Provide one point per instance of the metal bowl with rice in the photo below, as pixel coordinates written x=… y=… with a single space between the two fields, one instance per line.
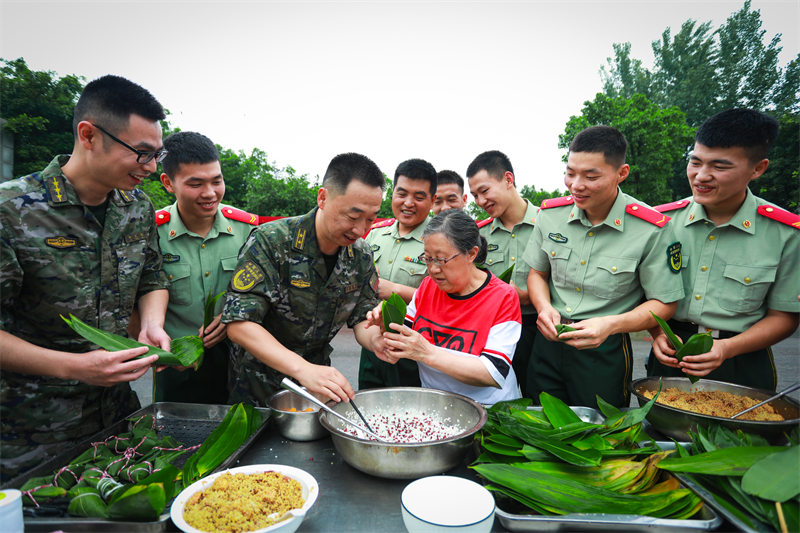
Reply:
x=409 y=460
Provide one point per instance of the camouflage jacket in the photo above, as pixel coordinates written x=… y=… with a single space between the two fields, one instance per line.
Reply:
x=281 y=283
x=56 y=259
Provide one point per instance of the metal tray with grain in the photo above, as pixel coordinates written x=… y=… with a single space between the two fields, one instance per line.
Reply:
x=189 y=423
x=513 y=517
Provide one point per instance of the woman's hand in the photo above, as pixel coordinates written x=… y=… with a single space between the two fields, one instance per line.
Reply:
x=408 y=344
x=375 y=317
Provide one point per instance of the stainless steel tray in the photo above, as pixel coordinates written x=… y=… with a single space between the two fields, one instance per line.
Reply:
x=190 y=423
x=706 y=519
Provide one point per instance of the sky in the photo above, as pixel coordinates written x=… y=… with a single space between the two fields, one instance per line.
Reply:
x=304 y=81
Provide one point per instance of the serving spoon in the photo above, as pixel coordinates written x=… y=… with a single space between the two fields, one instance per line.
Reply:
x=787 y=390
x=287 y=383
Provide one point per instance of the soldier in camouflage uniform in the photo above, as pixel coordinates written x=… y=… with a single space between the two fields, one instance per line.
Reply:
x=79 y=238
x=299 y=280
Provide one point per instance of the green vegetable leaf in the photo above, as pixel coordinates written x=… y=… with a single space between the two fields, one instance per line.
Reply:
x=775 y=477
x=506 y=275
x=393 y=310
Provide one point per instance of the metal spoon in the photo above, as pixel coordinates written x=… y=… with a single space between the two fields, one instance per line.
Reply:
x=787 y=390
x=287 y=383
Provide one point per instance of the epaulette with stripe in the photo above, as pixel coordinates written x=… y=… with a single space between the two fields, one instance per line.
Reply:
x=162 y=217
x=382 y=223
x=647 y=214
x=484 y=222
x=239 y=215
x=672 y=206
x=557 y=202
x=780 y=215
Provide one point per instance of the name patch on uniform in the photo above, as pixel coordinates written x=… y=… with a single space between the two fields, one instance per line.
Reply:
x=60 y=242
x=557 y=237
x=674 y=257
x=301 y=283
x=171 y=258
x=247 y=276
x=137 y=236
x=492 y=247
x=353 y=287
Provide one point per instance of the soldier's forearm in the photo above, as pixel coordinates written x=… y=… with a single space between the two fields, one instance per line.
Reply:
x=18 y=355
x=639 y=318
x=152 y=308
x=773 y=328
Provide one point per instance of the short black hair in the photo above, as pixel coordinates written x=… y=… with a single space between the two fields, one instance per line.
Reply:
x=417 y=169
x=602 y=139
x=444 y=177
x=186 y=147
x=111 y=100
x=345 y=168
x=460 y=229
x=750 y=129
x=495 y=162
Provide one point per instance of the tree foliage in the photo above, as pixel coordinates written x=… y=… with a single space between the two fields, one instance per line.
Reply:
x=37 y=107
x=656 y=139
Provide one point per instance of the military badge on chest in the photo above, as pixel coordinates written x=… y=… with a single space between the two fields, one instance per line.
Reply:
x=60 y=242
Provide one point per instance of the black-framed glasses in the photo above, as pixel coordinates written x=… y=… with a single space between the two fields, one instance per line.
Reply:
x=438 y=261
x=141 y=157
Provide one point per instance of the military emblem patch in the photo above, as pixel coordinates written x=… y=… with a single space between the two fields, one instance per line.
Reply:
x=492 y=247
x=247 y=276
x=376 y=247
x=674 y=257
x=60 y=242
x=557 y=237
x=301 y=283
x=353 y=287
x=171 y=258
x=373 y=282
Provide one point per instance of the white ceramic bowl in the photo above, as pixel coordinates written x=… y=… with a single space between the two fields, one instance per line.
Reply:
x=289 y=525
x=439 y=504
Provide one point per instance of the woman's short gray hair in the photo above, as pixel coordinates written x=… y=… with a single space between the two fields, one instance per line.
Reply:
x=459 y=228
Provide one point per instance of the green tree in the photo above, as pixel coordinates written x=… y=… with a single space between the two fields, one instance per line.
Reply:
x=37 y=107
x=656 y=137
x=536 y=197
x=780 y=184
x=386 y=203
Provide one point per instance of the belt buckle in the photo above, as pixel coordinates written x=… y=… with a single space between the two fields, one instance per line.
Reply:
x=567 y=321
x=703 y=329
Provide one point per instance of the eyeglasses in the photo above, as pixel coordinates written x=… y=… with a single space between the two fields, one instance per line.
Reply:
x=439 y=262
x=141 y=157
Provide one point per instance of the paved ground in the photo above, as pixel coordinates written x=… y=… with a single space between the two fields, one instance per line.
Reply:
x=346 y=353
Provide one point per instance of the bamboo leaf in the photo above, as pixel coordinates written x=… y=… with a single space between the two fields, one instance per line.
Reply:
x=721 y=462
x=209 y=307
x=563 y=328
x=775 y=477
x=87 y=502
x=139 y=502
x=673 y=339
x=393 y=310
x=557 y=412
x=506 y=275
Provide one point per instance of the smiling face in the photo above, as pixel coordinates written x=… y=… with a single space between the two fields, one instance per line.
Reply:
x=593 y=182
x=448 y=196
x=719 y=177
x=491 y=194
x=411 y=202
x=457 y=274
x=343 y=218
x=116 y=166
x=198 y=188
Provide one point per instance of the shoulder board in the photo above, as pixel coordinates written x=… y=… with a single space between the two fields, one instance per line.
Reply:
x=557 y=202
x=485 y=222
x=162 y=217
x=672 y=206
x=780 y=215
x=239 y=215
x=647 y=214
x=382 y=223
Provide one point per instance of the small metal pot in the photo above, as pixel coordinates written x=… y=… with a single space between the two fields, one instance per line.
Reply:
x=677 y=423
x=407 y=461
x=296 y=425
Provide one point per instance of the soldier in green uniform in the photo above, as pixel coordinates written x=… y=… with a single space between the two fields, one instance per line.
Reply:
x=741 y=258
x=79 y=238
x=396 y=246
x=507 y=232
x=449 y=192
x=200 y=240
x=600 y=262
x=299 y=280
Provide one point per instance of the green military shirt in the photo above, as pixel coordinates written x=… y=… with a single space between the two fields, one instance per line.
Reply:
x=397 y=256
x=608 y=268
x=507 y=247
x=57 y=259
x=281 y=283
x=197 y=266
x=735 y=272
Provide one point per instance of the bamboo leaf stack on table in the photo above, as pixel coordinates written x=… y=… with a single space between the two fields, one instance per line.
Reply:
x=553 y=463
x=132 y=476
